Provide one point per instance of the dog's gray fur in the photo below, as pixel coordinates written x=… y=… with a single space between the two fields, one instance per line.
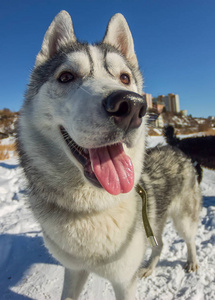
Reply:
x=86 y=228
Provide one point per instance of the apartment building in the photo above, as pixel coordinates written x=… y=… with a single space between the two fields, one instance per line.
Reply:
x=170 y=102
x=148 y=98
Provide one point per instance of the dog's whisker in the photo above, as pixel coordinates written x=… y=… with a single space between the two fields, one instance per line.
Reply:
x=83 y=89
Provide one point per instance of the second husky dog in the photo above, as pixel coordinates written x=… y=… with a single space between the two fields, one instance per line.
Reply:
x=81 y=139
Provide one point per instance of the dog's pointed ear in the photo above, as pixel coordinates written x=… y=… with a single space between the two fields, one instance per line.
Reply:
x=59 y=33
x=119 y=35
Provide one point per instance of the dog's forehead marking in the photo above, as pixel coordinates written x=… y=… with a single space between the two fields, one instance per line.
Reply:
x=107 y=62
x=97 y=58
x=77 y=62
x=116 y=63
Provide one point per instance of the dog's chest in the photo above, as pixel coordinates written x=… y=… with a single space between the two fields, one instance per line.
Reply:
x=94 y=238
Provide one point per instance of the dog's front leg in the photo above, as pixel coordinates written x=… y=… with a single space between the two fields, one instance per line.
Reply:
x=125 y=291
x=73 y=284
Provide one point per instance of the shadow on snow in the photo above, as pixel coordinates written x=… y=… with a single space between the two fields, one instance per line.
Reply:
x=18 y=254
x=8 y=166
x=208 y=201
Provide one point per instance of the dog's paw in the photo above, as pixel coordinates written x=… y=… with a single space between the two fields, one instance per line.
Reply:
x=145 y=272
x=191 y=267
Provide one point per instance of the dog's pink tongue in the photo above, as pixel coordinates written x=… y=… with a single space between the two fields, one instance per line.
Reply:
x=113 y=168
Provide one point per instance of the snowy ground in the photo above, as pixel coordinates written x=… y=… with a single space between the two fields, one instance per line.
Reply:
x=28 y=272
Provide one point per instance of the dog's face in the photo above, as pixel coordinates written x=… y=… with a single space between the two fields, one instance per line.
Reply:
x=86 y=100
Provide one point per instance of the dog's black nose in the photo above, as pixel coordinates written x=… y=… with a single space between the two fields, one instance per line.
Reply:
x=127 y=108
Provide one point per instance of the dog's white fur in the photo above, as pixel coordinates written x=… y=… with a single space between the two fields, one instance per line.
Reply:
x=84 y=227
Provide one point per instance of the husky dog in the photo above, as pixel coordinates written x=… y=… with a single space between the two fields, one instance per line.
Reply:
x=81 y=140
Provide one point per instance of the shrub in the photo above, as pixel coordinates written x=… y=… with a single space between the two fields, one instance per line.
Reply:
x=5 y=149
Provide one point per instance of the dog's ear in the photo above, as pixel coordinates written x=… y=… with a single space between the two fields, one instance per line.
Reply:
x=119 y=35
x=59 y=33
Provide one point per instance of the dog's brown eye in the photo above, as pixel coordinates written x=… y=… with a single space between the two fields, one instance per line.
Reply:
x=66 y=77
x=125 y=78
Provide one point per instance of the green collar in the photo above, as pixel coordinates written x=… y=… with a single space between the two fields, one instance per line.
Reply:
x=149 y=233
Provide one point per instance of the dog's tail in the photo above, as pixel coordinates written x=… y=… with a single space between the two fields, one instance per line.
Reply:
x=169 y=134
x=201 y=150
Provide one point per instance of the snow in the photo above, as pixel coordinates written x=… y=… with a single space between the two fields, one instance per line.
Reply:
x=27 y=271
x=7 y=141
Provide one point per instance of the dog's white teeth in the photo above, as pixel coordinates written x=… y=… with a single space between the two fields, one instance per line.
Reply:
x=91 y=165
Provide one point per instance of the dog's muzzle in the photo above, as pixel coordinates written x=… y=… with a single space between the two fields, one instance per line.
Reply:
x=126 y=108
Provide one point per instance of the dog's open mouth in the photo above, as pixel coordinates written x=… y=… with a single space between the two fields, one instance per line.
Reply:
x=108 y=167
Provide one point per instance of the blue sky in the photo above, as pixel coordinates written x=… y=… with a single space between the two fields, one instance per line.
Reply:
x=174 y=42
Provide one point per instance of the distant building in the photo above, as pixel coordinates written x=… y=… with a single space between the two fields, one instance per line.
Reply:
x=174 y=103
x=148 y=98
x=184 y=112
x=159 y=103
x=159 y=122
x=170 y=102
x=160 y=107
